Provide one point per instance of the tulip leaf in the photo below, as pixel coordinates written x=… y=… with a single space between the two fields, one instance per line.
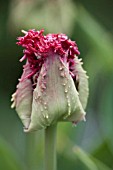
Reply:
x=8 y=158
x=82 y=82
x=85 y=159
x=89 y=161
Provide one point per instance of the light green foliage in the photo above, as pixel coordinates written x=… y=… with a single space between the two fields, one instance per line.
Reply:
x=9 y=160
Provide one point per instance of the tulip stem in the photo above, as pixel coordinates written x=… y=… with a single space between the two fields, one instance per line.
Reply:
x=50 y=147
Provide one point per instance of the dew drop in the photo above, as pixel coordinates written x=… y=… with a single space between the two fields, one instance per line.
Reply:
x=47 y=116
x=45 y=103
x=45 y=107
x=62 y=74
x=66 y=91
x=35 y=98
x=64 y=84
x=60 y=68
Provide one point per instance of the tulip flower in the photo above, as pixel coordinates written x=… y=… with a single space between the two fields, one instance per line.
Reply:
x=53 y=86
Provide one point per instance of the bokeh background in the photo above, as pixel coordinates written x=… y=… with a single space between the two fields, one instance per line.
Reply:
x=89 y=146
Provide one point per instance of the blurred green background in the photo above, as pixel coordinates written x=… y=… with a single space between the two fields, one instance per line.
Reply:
x=89 y=146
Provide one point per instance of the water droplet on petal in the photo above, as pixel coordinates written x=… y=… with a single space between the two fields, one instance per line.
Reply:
x=45 y=107
x=63 y=84
x=47 y=116
x=61 y=68
x=66 y=91
x=62 y=74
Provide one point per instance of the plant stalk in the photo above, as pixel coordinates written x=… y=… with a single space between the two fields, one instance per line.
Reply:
x=30 y=150
x=50 y=148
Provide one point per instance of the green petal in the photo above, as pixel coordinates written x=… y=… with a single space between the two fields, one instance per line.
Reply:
x=83 y=88
x=55 y=96
x=22 y=98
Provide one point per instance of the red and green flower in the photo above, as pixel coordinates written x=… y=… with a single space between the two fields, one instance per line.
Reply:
x=53 y=86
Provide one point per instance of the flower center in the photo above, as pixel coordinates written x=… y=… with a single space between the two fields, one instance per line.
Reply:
x=37 y=48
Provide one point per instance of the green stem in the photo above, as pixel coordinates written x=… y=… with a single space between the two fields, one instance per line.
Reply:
x=30 y=150
x=50 y=147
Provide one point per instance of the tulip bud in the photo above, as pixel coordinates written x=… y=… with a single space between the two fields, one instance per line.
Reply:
x=53 y=86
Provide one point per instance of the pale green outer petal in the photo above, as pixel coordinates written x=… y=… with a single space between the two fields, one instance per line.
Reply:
x=55 y=96
x=22 y=98
x=83 y=88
